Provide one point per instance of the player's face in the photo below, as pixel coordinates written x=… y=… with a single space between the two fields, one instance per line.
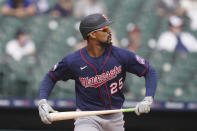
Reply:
x=103 y=36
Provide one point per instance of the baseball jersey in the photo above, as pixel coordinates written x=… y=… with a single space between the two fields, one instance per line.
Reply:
x=99 y=81
x=26 y=3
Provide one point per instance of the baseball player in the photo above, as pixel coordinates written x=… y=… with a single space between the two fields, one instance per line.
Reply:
x=99 y=71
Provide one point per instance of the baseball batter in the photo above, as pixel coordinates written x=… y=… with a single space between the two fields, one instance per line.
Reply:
x=99 y=71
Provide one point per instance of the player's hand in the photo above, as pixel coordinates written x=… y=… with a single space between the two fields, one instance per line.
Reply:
x=144 y=106
x=44 y=110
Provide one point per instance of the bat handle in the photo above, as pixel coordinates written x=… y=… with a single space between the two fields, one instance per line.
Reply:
x=128 y=110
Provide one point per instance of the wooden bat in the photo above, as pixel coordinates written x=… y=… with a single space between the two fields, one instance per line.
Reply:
x=58 y=116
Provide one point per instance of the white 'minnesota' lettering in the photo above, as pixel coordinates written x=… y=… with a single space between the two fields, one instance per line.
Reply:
x=98 y=80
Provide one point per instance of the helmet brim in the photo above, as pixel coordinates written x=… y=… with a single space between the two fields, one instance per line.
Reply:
x=106 y=23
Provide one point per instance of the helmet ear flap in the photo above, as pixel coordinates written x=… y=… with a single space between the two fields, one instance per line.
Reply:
x=83 y=33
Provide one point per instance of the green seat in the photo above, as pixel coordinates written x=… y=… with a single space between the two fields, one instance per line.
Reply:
x=19 y=76
x=191 y=88
x=137 y=87
x=164 y=93
x=159 y=59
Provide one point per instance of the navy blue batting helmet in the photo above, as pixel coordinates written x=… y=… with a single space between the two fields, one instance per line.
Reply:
x=93 y=22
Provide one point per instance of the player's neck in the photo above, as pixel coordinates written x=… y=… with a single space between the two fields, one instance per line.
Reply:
x=95 y=51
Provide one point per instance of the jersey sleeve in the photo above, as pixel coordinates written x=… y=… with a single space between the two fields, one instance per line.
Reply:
x=136 y=64
x=61 y=71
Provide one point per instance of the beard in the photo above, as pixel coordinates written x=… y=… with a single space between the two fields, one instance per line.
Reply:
x=105 y=44
x=108 y=43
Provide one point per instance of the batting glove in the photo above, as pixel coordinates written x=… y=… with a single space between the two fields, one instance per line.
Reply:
x=144 y=106
x=44 y=110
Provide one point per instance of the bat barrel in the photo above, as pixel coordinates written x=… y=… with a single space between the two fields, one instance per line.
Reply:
x=76 y=114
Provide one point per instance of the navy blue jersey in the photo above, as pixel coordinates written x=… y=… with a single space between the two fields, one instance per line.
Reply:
x=26 y=3
x=99 y=81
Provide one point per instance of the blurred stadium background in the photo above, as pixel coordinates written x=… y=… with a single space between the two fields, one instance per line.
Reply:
x=175 y=106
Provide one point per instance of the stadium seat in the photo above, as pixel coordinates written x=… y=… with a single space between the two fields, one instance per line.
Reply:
x=20 y=76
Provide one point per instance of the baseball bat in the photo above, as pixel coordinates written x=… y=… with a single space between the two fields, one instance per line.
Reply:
x=58 y=116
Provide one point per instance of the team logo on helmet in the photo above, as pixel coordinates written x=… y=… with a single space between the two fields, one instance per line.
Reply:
x=105 y=17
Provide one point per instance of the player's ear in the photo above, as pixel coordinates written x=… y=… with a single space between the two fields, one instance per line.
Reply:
x=92 y=35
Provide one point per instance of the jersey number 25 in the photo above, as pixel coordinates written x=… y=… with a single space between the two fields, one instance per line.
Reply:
x=116 y=85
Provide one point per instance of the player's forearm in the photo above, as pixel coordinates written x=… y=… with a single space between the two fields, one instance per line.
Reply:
x=46 y=86
x=151 y=81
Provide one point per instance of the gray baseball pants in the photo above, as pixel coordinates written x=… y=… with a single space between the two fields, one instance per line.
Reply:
x=110 y=122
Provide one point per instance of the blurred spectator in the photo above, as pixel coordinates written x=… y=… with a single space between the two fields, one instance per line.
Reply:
x=134 y=36
x=176 y=39
x=63 y=8
x=20 y=63
x=20 y=46
x=168 y=7
x=42 y=6
x=190 y=9
x=18 y=8
x=86 y=7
